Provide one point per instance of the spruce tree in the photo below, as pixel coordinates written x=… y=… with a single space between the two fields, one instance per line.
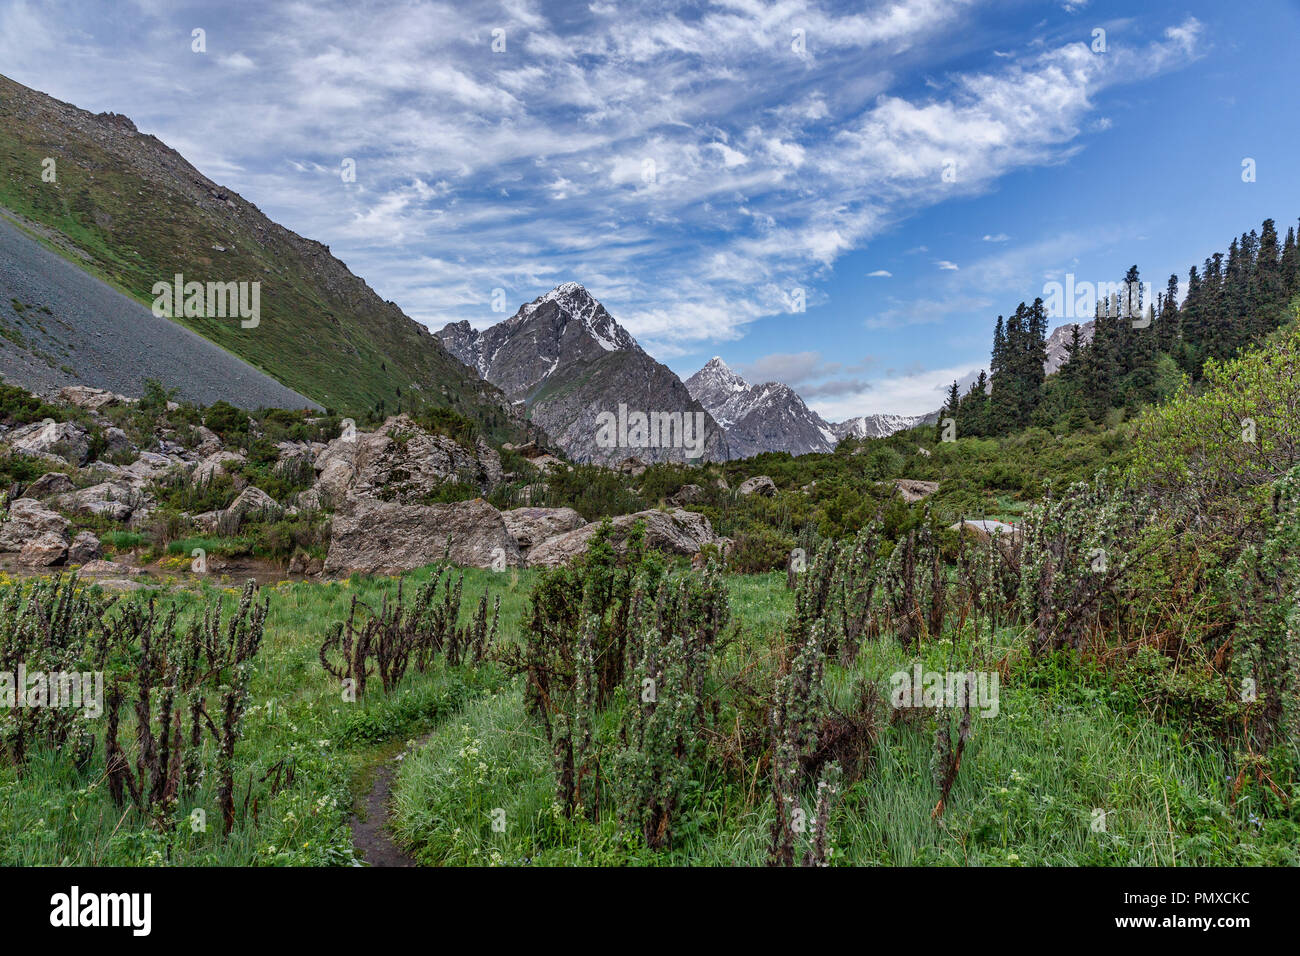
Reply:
x=951 y=408
x=1168 y=323
x=1290 y=265
x=1270 y=286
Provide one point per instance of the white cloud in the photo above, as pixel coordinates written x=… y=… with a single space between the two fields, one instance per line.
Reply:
x=687 y=162
x=905 y=392
x=237 y=61
x=730 y=157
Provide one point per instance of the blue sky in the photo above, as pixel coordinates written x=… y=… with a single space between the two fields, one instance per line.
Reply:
x=915 y=167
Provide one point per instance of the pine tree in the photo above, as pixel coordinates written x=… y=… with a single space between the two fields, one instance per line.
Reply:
x=1217 y=339
x=972 y=415
x=1035 y=356
x=1168 y=323
x=999 y=348
x=951 y=408
x=1269 y=284
x=1193 y=326
x=1003 y=416
x=1290 y=265
x=1103 y=364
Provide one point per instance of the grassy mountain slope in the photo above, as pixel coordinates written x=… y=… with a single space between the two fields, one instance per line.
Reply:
x=133 y=211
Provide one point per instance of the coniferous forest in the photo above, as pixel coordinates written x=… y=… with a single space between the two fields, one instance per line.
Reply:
x=1137 y=350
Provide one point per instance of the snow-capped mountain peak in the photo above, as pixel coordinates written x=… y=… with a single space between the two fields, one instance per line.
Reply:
x=574 y=301
x=566 y=358
x=716 y=384
x=759 y=418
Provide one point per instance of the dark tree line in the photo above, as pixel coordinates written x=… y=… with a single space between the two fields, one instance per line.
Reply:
x=1138 y=349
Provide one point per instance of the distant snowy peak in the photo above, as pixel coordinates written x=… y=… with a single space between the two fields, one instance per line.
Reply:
x=562 y=326
x=720 y=390
x=880 y=426
x=717 y=377
x=759 y=418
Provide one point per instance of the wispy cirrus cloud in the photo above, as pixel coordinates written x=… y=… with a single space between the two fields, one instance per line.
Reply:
x=691 y=164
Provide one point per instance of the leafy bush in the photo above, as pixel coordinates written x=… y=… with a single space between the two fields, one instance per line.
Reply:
x=226 y=420
x=451 y=424
x=1265 y=582
x=20 y=407
x=1241 y=433
x=759 y=550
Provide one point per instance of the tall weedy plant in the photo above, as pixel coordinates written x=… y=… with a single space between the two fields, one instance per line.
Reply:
x=1075 y=551
x=575 y=652
x=50 y=627
x=174 y=675
x=1265 y=582
x=673 y=634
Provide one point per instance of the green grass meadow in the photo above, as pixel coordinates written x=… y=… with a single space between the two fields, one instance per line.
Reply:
x=475 y=784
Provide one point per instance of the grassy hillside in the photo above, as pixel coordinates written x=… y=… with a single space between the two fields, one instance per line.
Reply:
x=132 y=210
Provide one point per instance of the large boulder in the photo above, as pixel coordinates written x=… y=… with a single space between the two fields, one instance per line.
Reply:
x=117 y=442
x=50 y=483
x=27 y=521
x=531 y=526
x=758 y=485
x=913 y=491
x=44 y=550
x=402 y=462
x=335 y=465
x=547 y=463
x=206 y=441
x=215 y=464
x=632 y=466
x=142 y=472
x=113 y=568
x=984 y=530
x=687 y=495
x=296 y=457
x=62 y=441
x=85 y=548
x=399 y=462
x=253 y=502
x=489 y=465
x=115 y=500
x=386 y=537
x=92 y=398
x=676 y=532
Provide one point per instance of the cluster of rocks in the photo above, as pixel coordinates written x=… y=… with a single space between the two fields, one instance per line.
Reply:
x=382 y=486
x=384 y=537
x=36 y=528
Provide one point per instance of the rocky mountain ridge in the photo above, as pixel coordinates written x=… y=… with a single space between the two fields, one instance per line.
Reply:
x=574 y=369
x=768 y=417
